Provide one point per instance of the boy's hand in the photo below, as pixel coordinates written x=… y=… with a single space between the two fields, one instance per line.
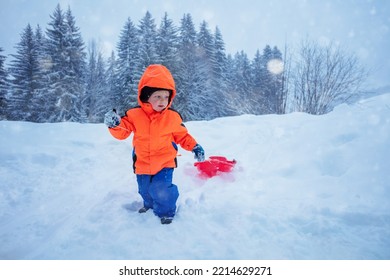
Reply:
x=112 y=119
x=199 y=152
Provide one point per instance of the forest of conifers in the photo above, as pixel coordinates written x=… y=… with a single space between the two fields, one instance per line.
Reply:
x=54 y=76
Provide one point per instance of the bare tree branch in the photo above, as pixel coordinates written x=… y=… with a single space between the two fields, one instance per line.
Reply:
x=323 y=77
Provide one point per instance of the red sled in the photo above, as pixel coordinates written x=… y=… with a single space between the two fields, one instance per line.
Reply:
x=214 y=164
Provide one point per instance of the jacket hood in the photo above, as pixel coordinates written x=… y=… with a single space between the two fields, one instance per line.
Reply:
x=159 y=77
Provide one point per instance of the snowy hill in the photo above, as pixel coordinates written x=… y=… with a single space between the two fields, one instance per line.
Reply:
x=305 y=187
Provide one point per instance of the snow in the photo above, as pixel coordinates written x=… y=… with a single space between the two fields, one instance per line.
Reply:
x=304 y=187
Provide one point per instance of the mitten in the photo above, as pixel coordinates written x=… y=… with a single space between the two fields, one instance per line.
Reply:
x=112 y=119
x=199 y=152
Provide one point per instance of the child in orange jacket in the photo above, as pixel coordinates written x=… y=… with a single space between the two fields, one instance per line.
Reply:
x=157 y=130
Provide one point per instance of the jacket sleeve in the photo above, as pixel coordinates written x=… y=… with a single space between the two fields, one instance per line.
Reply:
x=123 y=130
x=182 y=137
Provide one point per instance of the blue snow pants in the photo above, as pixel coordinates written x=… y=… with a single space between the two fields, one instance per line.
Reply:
x=158 y=192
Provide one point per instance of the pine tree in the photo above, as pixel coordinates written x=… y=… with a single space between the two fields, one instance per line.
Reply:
x=95 y=100
x=187 y=101
x=113 y=97
x=65 y=48
x=231 y=97
x=147 y=43
x=23 y=69
x=88 y=99
x=75 y=68
x=219 y=81
x=267 y=80
x=206 y=45
x=206 y=100
x=3 y=87
x=126 y=83
x=276 y=78
x=242 y=83
x=39 y=100
x=167 y=44
x=259 y=74
x=271 y=79
x=219 y=57
x=55 y=61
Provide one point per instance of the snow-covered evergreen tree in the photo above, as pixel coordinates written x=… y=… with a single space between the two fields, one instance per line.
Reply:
x=219 y=57
x=38 y=103
x=276 y=81
x=242 y=83
x=167 y=44
x=75 y=68
x=231 y=99
x=24 y=68
x=126 y=67
x=3 y=86
x=267 y=81
x=272 y=86
x=220 y=77
x=55 y=61
x=187 y=100
x=113 y=96
x=258 y=80
x=206 y=99
x=65 y=49
x=147 y=32
x=95 y=102
x=206 y=46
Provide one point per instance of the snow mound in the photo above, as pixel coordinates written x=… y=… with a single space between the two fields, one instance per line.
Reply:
x=304 y=187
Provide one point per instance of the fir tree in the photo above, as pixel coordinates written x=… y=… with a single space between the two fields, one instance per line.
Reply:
x=188 y=75
x=231 y=98
x=259 y=75
x=95 y=100
x=65 y=49
x=88 y=99
x=113 y=97
x=167 y=44
x=206 y=44
x=206 y=98
x=3 y=86
x=39 y=100
x=55 y=61
x=277 y=82
x=271 y=85
x=127 y=64
x=242 y=83
x=219 y=57
x=147 y=43
x=219 y=77
x=23 y=69
x=75 y=69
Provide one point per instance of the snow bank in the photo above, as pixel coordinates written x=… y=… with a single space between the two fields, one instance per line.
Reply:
x=304 y=187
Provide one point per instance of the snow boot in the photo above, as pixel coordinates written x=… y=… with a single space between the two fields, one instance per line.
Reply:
x=143 y=209
x=166 y=220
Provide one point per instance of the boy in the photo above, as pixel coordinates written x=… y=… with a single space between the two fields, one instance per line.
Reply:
x=157 y=129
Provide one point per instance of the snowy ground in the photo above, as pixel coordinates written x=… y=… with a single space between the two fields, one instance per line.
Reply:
x=305 y=187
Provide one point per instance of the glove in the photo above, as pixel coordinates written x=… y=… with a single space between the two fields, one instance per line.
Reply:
x=112 y=119
x=199 y=152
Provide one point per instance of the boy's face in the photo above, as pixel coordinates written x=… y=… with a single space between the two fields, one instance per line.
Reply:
x=159 y=100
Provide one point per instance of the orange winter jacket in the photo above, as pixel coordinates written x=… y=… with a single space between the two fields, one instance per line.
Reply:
x=155 y=133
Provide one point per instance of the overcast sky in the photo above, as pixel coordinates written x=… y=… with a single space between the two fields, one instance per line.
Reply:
x=361 y=26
